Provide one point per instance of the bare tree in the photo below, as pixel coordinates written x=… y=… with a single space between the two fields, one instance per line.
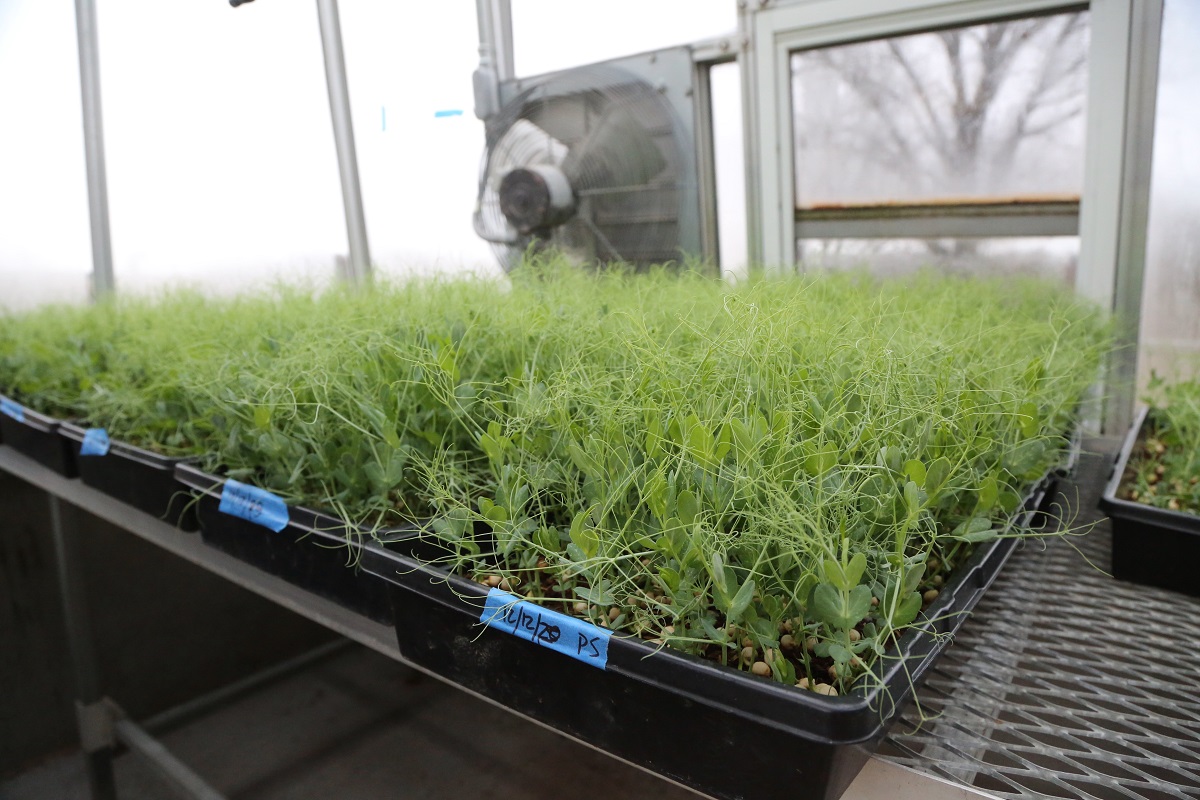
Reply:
x=990 y=109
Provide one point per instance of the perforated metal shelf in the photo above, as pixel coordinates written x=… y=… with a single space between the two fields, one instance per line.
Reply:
x=1066 y=683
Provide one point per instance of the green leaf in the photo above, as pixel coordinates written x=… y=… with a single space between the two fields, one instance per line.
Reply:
x=547 y=539
x=654 y=437
x=912 y=577
x=741 y=601
x=821 y=461
x=976 y=529
x=835 y=574
x=855 y=569
x=670 y=578
x=688 y=507
x=654 y=491
x=915 y=471
x=839 y=653
x=582 y=460
x=583 y=536
x=989 y=493
x=838 y=610
x=858 y=604
x=912 y=498
x=1027 y=418
x=907 y=611
x=262 y=417
x=718 y=574
x=597 y=596
x=938 y=474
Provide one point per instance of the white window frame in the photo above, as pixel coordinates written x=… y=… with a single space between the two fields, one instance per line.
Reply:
x=1122 y=84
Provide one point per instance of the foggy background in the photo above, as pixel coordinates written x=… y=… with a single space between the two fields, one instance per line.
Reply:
x=222 y=171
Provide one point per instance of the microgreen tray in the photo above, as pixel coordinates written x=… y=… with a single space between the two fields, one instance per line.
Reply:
x=1151 y=546
x=36 y=435
x=314 y=551
x=723 y=732
x=141 y=478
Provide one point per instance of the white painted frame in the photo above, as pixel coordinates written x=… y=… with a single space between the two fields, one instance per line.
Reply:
x=1122 y=84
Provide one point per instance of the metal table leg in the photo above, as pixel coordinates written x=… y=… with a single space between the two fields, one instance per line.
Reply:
x=93 y=713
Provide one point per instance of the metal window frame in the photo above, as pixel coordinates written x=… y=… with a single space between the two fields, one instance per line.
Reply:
x=1122 y=85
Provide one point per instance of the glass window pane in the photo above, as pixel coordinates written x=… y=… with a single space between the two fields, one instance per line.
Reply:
x=1044 y=256
x=1170 y=335
x=992 y=110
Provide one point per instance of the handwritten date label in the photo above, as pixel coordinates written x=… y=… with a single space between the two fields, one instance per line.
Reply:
x=568 y=635
x=254 y=505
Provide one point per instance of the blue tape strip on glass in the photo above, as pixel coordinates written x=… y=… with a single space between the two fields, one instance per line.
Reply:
x=254 y=505
x=449 y=112
x=12 y=409
x=567 y=635
x=95 y=442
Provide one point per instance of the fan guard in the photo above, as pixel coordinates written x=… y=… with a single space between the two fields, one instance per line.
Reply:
x=587 y=162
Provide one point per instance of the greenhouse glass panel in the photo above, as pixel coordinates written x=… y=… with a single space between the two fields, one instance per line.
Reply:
x=1170 y=335
x=991 y=111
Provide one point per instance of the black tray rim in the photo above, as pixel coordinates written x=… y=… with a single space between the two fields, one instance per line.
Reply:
x=42 y=423
x=852 y=719
x=1122 y=509
x=75 y=433
x=301 y=519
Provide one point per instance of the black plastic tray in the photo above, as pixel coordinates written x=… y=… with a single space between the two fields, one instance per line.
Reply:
x=316 y=551
x=37 y=437
x=141 y=478
x=1151 y=546
x=717 y=730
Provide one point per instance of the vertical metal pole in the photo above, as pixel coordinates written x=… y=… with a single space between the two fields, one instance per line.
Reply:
x=747 y=61
x=88 y=696
x=503 y=41
x=103 y=284
x=343 y=136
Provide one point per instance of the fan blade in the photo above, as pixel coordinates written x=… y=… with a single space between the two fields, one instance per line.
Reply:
x=618 y=151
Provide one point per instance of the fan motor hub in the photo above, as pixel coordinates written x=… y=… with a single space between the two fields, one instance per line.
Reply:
x=536 y=197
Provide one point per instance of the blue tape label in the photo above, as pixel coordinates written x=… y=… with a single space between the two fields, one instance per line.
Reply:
x=12 y=409
x=95 y=442
x=568 y=635
x=254 y=505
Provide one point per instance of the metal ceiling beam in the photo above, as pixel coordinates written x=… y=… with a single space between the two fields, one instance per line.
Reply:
x=103 y=283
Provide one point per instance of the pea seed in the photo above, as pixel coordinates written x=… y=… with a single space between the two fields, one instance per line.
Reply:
x=747 y=655
x=826 y=689
x=760 y=669
x=938 y=580
x=493 y=581
x=855 y=635
x=787 y=641
x=613 y=613
x=580 y=608
x=802 y=683
x=930 y=596
x=747 y=642
x=811 y=643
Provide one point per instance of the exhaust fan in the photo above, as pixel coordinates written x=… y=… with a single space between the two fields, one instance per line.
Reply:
x=597 y=162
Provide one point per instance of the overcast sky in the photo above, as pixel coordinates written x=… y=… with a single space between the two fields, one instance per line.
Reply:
x=221 y=162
